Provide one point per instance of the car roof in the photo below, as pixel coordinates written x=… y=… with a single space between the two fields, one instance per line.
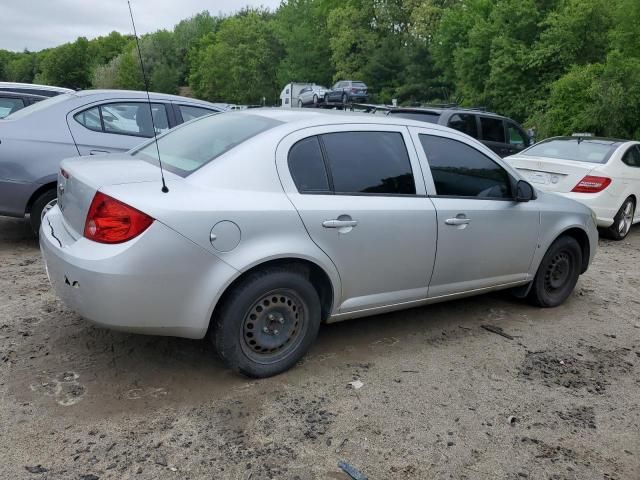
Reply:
x=34 y=86
x=303 y=117
x=440 y=110
x=135 y=94
x=8 y=93
x=603 y=140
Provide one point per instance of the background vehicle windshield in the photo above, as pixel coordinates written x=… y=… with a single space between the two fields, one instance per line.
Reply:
x=587 y=150
x=188 y=148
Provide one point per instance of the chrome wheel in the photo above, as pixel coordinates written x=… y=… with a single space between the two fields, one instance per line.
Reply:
x=273 y=327
x=48 y=206
x=624 y=225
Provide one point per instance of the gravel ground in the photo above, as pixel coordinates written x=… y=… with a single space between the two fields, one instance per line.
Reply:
x=442 y=398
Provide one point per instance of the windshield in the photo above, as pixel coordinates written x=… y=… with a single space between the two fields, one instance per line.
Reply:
x=359 y=85
x=585 y=150
x=187 y=148
x=40 y=106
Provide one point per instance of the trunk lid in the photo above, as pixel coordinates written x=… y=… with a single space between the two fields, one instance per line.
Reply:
x=551 y=174
x=80 y=178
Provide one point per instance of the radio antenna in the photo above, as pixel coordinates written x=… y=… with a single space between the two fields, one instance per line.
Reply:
x=146 y=88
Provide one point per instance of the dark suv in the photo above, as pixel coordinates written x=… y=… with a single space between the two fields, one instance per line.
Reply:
x=346 y=91
x=500 y=134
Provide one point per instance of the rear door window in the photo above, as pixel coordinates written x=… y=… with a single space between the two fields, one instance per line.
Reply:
x=515 y=136
x=369 y=163
x=8 y=105
x=126 y=118
x=459 y=170
x=307 y=167
x=492 y=129
x=465 y=123
x=189 y=112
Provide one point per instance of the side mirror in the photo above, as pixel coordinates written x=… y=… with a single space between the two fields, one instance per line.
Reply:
x=524 y=191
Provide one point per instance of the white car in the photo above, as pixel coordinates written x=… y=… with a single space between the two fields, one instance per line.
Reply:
x=602 y=173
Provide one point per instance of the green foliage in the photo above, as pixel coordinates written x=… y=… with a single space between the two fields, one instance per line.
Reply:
x=558 y=65
x=238 y=63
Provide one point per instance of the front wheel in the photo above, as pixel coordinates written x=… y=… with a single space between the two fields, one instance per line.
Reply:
x=41 y=205
x=315 y=99
x=622 y=221
x=557 y=274
x=299 y=103
x=267 y=323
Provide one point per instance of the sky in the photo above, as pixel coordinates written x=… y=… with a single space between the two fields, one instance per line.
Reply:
x=38 y=24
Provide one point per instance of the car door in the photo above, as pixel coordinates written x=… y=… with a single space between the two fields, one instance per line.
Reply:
x=358 y=190
x=485 y=238
x=492 y=134
x=116 y=126
x=336 y=92
x=630 y=175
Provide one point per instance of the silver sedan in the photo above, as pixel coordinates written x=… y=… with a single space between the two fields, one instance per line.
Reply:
x=276 y=221
x=312 y=95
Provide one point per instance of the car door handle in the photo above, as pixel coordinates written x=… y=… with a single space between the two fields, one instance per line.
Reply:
x=97 y=152
x=339 y=223
x=457 y=221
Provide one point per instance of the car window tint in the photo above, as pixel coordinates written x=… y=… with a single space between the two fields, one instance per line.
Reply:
x=369 y=162
x=462 y=171
x=90 y=119
x=492 y=129
x=134 y=118
x=190 y=112
x=9 y=105
x=592 y=150
x=465 y=123
x=307 y=166
x=632 y=157
x=515 y=136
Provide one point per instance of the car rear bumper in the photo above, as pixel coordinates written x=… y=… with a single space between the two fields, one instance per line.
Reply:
x=601 y=203
x=159 y=283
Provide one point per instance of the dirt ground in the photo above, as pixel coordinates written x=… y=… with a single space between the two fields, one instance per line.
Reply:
x=442 y=398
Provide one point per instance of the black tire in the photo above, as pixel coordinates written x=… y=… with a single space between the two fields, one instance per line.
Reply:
x=267 y=322
x=557 y=274
x=38 y=206
x=621 y=222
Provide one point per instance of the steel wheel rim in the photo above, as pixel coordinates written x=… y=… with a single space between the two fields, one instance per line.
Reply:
x=273 y=327
x=558 y=272
x=626 y=220
x=47 y=207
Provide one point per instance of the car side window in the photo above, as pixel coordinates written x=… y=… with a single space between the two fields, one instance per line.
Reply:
x=515 y=136
x=127 y=118
x=190 y=112
x=8 y=105
x=459 y=170
x=307 y=166
x=632 y=157
x=90 y=119
x=368 y=163
x=465 y=123
x=492 y=129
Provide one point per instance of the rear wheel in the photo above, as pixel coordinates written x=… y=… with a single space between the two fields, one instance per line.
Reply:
x=557 y=274
x=267 y=323
x=41 y=205
x=315 y=99
x=622 y=221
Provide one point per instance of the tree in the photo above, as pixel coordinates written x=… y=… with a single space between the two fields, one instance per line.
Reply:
x=68 y=65
x=238 y=63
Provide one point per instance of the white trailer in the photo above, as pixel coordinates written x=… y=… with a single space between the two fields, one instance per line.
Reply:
x=290 y=92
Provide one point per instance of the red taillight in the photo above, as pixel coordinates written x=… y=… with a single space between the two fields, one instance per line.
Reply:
x=591 y=184
x=111 y=221
x=64 y=173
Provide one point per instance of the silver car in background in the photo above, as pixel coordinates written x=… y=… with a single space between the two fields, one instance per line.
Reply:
x=91 y=122
x=278 y=220
x=312 y=95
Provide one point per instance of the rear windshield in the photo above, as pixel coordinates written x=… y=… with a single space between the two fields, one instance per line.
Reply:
x=587 y=150
x=44 y=104
x=187 y=148
x=430 y=117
